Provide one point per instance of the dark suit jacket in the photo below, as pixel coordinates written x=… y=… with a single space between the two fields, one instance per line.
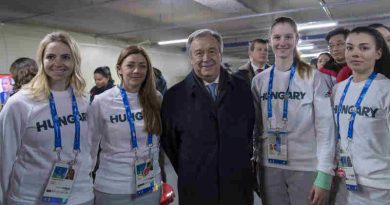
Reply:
x=3 y=97
x=210 y=143
x=246 y=72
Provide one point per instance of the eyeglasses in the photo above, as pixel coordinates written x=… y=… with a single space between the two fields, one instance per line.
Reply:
x=337 y=45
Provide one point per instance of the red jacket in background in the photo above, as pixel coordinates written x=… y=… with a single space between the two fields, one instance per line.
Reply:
x=343 y=74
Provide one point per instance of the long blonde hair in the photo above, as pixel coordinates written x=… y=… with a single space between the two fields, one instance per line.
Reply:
x=302 y=66
x=150 y=102
x=39 y=85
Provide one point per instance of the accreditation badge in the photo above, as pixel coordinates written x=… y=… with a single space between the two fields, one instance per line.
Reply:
x=60 y=183
x=277 y=146
x=144 y=177
x=345 y=163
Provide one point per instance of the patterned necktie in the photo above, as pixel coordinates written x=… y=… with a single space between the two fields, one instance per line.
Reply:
x=212 y=90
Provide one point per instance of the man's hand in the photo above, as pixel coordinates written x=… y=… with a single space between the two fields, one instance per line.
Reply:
x=255 y=170
x=318 y=196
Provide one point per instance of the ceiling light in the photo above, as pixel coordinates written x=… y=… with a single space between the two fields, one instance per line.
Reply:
x=225 y=6
x=172 y=42
x=310 y=55
x=305 y=47
x=313 y=25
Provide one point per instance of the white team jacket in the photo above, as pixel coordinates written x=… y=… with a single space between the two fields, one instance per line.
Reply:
x=27 y=148
x=108 y=125
x=311 y=137
x=370 y=147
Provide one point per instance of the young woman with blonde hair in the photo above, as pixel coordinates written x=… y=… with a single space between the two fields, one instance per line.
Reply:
x=44 y=146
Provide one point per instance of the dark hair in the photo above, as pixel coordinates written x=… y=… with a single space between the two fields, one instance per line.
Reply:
x=254 y=41
x=381 y=65
x=302 y=66
x=104 y=71
x=313 y=62
x=378 y=25
x=331 y=59
x=337 y=31
x=22 y=71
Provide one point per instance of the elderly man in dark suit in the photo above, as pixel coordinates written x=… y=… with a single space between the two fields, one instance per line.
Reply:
x=208 y=121
x=258 y=57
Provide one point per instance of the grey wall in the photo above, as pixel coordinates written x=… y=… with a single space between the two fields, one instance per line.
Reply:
x=22 y=41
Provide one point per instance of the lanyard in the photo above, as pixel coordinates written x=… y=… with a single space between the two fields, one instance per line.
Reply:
x=357 y=104
x=57 y=129
x=285 y=101
x=126 y=103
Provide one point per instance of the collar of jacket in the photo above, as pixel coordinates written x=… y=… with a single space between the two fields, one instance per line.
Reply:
x=247 y=66
x=96 y=91
x=193 y=82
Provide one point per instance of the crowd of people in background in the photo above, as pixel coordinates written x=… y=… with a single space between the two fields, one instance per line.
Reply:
x=293 y=132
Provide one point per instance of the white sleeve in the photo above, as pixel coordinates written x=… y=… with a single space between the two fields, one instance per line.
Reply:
x=333 y=96
x=324 y=126
x=387 y=108
x=94 y=125
x=13 y=123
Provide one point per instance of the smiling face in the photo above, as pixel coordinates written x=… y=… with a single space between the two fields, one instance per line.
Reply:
x=283 y=40
x=206 y=57
x=58 y=63
x=361 y=53
x=133 y=70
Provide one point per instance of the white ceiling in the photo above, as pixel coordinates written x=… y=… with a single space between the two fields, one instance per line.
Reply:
x=155 y=20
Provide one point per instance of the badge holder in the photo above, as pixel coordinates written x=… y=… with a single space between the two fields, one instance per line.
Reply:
x=144 y=175
x=277 y=144
x=60 y=182
x=345 y=161
x=345 y=164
